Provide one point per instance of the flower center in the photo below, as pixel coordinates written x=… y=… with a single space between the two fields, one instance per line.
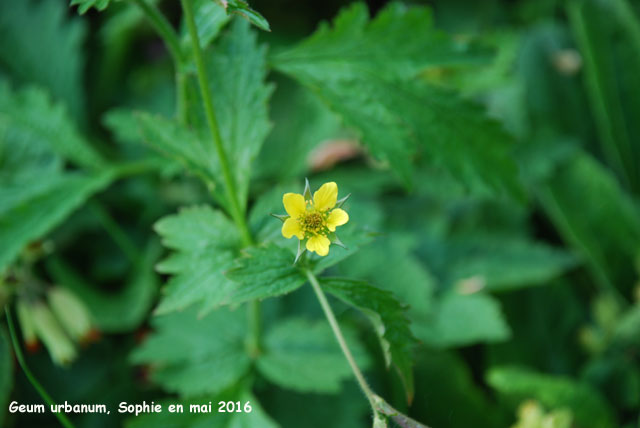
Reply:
x=313 y=222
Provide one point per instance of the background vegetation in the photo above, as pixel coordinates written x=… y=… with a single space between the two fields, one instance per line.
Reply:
x=491 y=149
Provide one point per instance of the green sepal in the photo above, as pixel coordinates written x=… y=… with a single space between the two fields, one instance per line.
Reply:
x=341 y=202
x=301 y=250
x=280 y=217
x=335 y=240
x=307 y=190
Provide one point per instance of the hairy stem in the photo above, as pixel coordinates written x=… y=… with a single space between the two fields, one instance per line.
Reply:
x=64 y=421
x=232 y=196
x=237 y=213
x=340 y=338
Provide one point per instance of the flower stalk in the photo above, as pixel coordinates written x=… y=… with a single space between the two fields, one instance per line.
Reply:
x=326 y=307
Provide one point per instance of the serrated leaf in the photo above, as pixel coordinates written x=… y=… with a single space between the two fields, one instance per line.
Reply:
x=6 y=372
x=588 y=406
x=204 y=241
x=29 y=116
x=400 y=41
x=305 y=356
x=389 y=264
x=237 y=71
x=388 y=318
x=461 y=320
x=241 y=7
x=210 y=18
x=263 y=272
x=85 y=5
x=33 y=208
x=51 y=56
x=397 y=115
x=178 y=142
x=195 y=355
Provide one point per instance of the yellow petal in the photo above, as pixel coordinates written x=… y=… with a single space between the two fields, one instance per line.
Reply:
x=326 y=196
x=319 y=244
x=338 y=217
x=294 y=204
x=292 y=227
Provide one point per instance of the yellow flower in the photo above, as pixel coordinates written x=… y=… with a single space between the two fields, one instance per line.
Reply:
x=314 y=220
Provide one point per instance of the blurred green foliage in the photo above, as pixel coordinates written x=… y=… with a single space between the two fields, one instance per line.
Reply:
x=491 y=275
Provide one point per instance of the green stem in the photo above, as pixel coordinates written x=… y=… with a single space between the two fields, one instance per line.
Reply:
x=64 y=421
x=253 y=308
x=170 y=37
x=340 y=338
x=232 y=196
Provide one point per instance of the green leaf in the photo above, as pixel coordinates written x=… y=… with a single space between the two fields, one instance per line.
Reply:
x=210 y=18
x=30 y=117
x=114 y=312
x=263 y=272
x=399 y=42
x=609 y=247
x=6 y=372
x=388 y=318
x=397 y=115
x=236 y=67
x=31 y=209
x=297 y=116
x=305 y=356
x=237 y=70
x=51 y=56
x=461 y=320
x=588 y=406
x=167 y=136
x=85 y=5
x=389 y=264
x=241 y=7
x=608 y=36
x=204 y=242
x=195 y=355
x=506 y=263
